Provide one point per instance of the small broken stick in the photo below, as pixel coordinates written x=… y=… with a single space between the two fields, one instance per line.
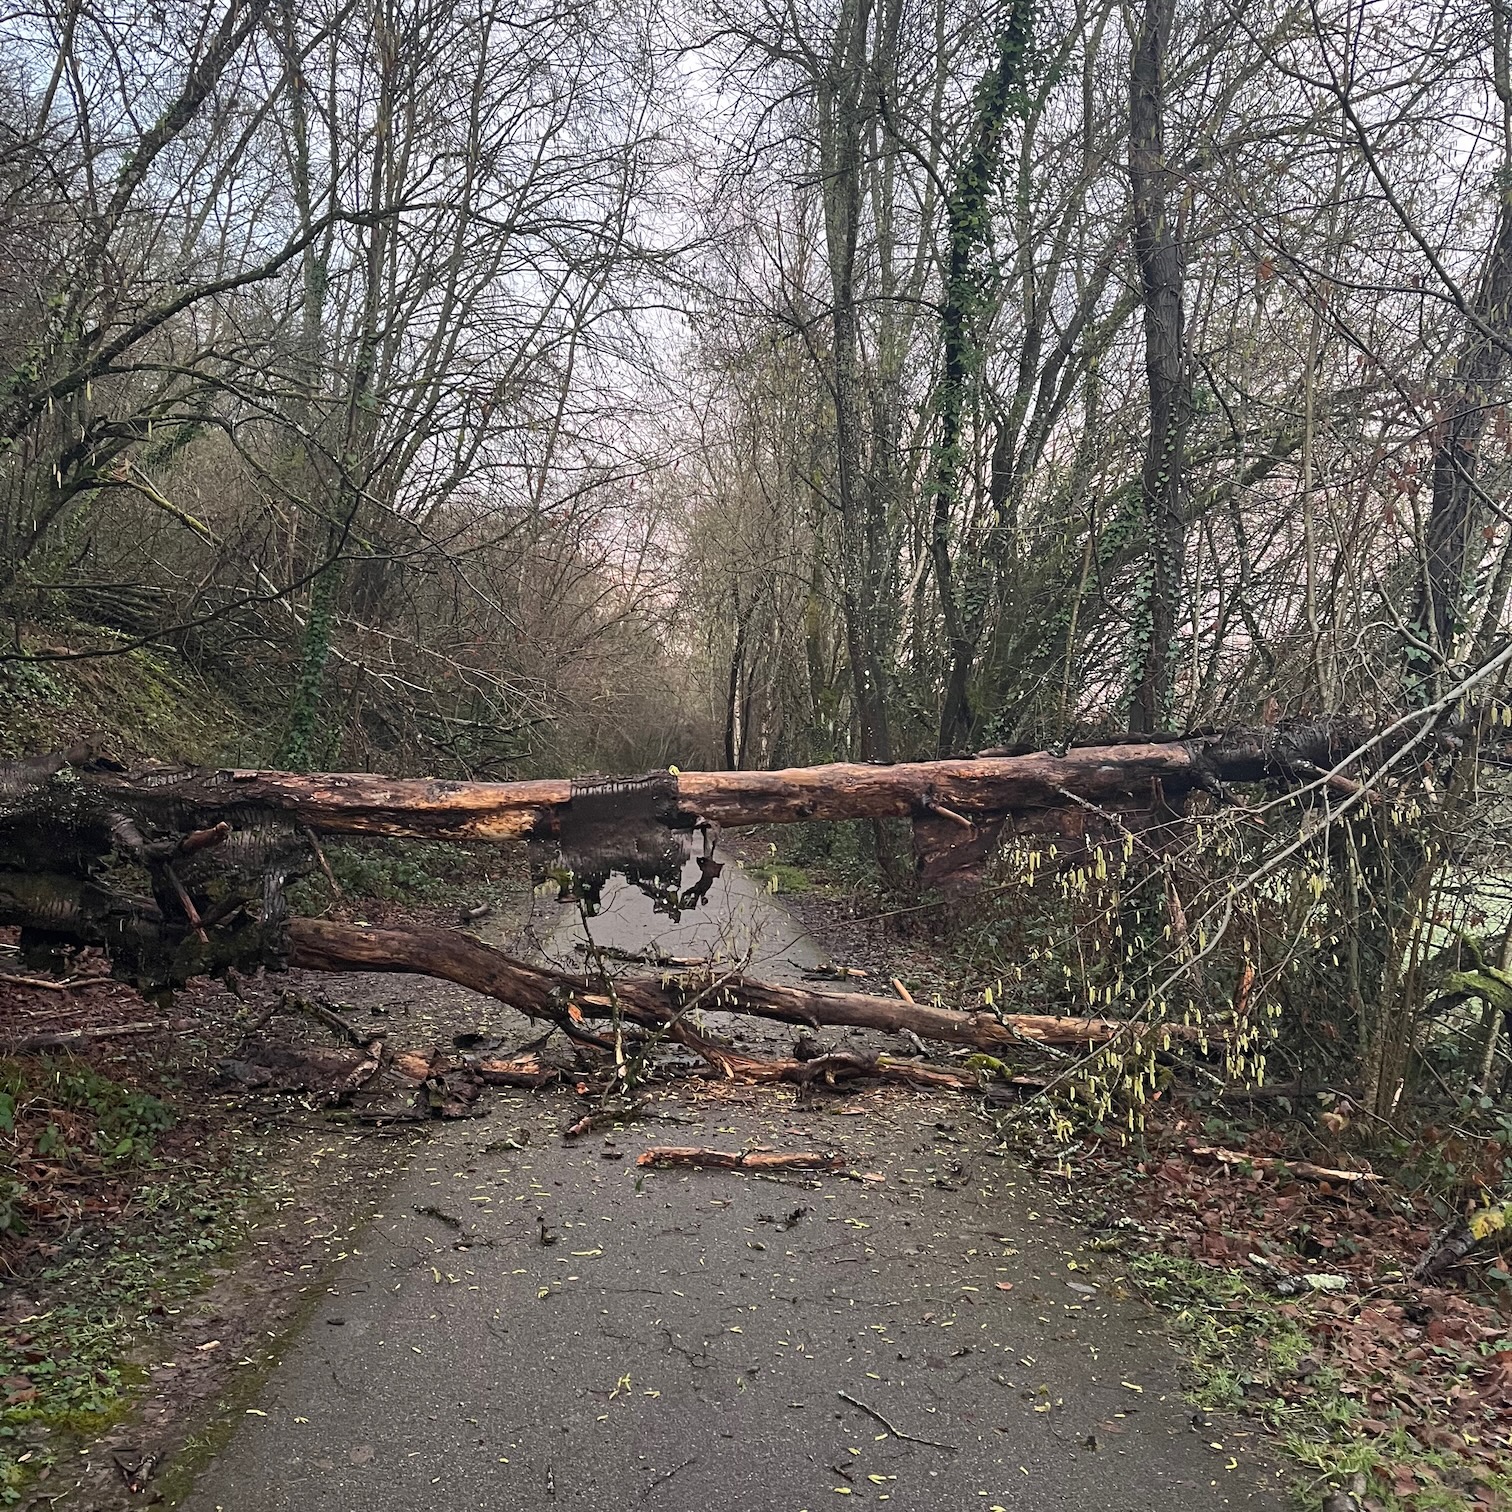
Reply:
x=739 y=1160
x=429 y=1210
x=136 y=1475
x=602 y=1117
x=897 y=1433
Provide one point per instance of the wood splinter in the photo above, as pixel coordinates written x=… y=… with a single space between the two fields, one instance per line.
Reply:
x=930 y=806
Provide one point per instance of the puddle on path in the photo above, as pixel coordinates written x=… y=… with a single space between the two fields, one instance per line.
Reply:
x=739 y=924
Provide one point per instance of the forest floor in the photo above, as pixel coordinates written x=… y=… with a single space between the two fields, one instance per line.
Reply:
x=224 y=1290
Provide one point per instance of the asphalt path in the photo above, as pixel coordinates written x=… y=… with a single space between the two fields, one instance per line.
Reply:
x=529 y=1323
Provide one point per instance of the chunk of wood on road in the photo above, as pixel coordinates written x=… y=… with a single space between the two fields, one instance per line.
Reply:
x=739 y=1160
x=444 y=1086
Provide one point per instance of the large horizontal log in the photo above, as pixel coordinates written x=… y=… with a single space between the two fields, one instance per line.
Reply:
x=321 y=945
x=178 y=873
x=969 y=788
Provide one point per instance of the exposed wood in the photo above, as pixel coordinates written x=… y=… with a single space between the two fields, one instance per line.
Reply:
x=518 y=1071
x=1275 y=1166
x=738 y=1160
x=180 y=873
x=339 y=1073
x=969 y=787
x=321 y=945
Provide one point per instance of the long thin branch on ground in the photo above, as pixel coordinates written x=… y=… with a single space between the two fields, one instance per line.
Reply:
x=651 y=1002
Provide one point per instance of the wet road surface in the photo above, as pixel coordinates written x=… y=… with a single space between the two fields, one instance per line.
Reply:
x=532 y=1324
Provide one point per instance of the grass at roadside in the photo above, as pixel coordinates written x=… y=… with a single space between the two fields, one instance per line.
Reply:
x=1250 y=1353
x=109 y=1235
x=68 y=1370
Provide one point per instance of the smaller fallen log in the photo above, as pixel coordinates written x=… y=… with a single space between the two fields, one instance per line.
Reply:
x=738 y=1160
x=654 y=1002
x=63 y=1039
x=1274 y=1165
x=836 y=1067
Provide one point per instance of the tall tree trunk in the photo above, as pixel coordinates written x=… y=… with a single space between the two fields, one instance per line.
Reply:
x=842 y=107
x=968 y=211
x=354 y=464
x=1157 y=250
x=1474 y=389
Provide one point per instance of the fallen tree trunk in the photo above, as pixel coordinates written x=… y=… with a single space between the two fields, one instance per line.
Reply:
x=960 y=790
x=738 y=1160
x=654 y=1002
x=178 y=873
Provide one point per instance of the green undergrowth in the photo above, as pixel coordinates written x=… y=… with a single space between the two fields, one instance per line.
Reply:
x=832 y=857
x=67 y=1369
x=143 y=701
x=1247 y=1357
x=424 y=873
x=91 y=1296
x=780 y=876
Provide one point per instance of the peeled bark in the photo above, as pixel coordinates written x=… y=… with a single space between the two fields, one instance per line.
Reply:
x=985 y=786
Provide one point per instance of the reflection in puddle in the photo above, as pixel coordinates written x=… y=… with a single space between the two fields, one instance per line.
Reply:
x=641 y=888
x=624 y=826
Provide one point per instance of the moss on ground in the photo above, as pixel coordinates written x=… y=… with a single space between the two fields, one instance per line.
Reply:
x=144 y=701
x=66 y=1372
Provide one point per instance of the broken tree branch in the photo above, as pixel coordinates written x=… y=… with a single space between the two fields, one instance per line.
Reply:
x=61 y=1039
x=1237 y=1159
x=738 y=1160
x=321 y=945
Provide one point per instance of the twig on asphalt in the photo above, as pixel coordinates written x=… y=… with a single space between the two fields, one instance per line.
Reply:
x=897 y=1433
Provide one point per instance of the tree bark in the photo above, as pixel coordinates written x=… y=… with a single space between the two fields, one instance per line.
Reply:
x=654 y=1002
x=1457 y=495
x=180 y=873
x=968 y=214
x=985 y=786
x=1157 y=250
